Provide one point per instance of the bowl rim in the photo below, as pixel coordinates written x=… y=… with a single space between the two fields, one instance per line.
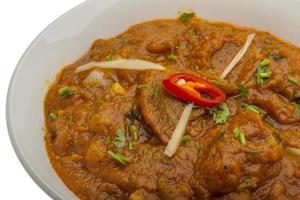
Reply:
x=48 y=189
x=41 y=182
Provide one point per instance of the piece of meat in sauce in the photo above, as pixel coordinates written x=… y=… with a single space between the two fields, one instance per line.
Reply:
x=227 y=165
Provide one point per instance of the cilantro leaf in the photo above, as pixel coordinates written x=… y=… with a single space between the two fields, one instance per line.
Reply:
x=263 y=73
x=253 y=108
x=186 y=16
x=185 y=139
x=150 y=88
x=65 y=92
x=172 y=56
x=239 y=135
x=292 y=80
x=220 y=113
x=110 y=57
x=118 y=157
x=120 y=139
x=242 y=89
x=297 y=110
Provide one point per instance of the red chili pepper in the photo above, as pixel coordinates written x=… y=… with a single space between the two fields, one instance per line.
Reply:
x=187 y=87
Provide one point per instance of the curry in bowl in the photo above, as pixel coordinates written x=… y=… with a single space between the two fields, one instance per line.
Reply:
x=179 y=109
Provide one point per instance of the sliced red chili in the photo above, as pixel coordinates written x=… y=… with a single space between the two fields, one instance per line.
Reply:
x=187 y=87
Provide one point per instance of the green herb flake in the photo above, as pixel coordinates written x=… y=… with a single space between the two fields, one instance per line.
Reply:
x=265 y=62
x=110 y=57
x=292 y=80
x=172 y=56
x=107 y=140
x=184 y=17
x=237 y=134
x=297 y=110
x=242 y=138
x=253 y=108
x=185 y=139
x=99 y=101
x=220 y=113
x=195 y=106
x=276 y=56
x=65 y=92
x=148 y=87
x=199 y=149
x=118 y=157
x=263 y=73
x=130 y=145
x=222 y=132
x=134 y=134
x=120 y=139
x=242 y=89
x=52 y=116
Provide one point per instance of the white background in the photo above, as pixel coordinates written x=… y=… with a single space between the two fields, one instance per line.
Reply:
x=20 y=22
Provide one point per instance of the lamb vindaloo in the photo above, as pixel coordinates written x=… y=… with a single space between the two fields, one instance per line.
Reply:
x=107 y=129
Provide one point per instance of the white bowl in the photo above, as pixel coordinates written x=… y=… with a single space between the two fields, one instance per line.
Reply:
x=72 y=34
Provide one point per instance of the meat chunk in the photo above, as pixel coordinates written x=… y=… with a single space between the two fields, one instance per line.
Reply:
x=290 y=138
x=280 y=80
x=110 y=116
x=275 y=105
x=142 y=194
x=275 y=191
x=236 y=196
x=219 y=171
x=150 y=169
x=160 y=109
x=95 y=153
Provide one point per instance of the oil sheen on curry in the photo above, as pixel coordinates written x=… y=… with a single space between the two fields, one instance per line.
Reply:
x=179 y=109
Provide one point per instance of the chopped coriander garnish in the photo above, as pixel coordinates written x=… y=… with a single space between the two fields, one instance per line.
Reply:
x=253 y=108
x=52 y=116
x=222 y=132
x=297 y=110
x=107 y=140
x=276 y=56
x=118 y=157
x=242 y=138
x=293 y=80
x=220 y=113
x=172 y=56
x=133 y=132
x=185 y=139
x=65 y=92
x=265 y=62
x=263 y=73
x=120 y=139
x=130 y=145
x=148 y=87
x=237 y=134
x=111 y=57
x=186 y=16
x=99 y=101
x=242 y=89
x=195 y=106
